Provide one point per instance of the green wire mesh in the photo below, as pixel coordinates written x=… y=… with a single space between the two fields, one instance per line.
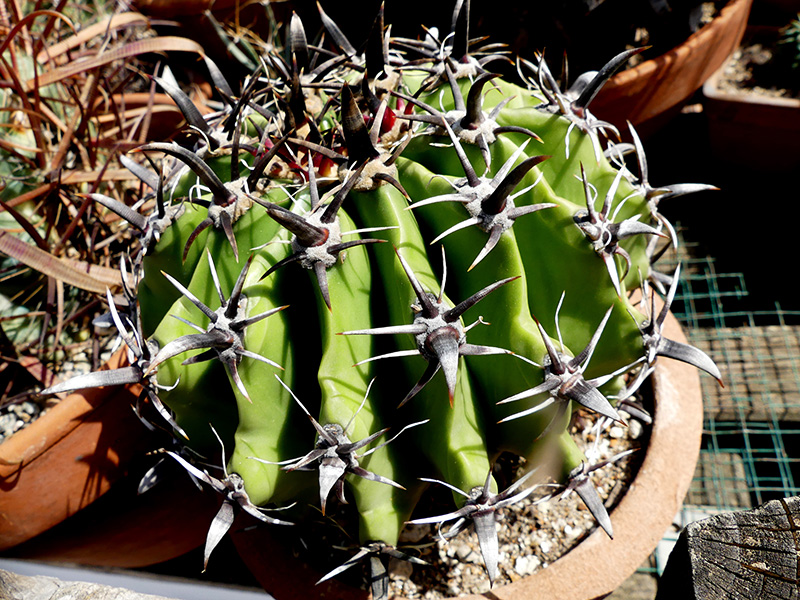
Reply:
x=750 y=450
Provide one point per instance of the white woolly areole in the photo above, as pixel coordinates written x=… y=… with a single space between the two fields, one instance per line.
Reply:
x=157 y=225
x=476 y=196
x=488 y=222
x=463 y=69
x=367 y=182
x=310 y=255
x=471 y=136
x=597 y=233
x=434 y=324
x=235 y=209
x=226 y=325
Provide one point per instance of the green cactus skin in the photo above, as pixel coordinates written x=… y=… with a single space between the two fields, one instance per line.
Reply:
x=552 y=260
x=462 y=419
x=456 y=440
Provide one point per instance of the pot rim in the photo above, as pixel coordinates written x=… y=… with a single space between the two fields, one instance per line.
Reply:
x=712 y=91
x=699 y=38
x=654 y=88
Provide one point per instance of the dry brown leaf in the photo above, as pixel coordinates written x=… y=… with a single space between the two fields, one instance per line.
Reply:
x=157 y=44
x=92 y=278
x=84 y=35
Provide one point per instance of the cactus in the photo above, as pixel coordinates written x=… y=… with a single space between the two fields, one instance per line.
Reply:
x=351 y=224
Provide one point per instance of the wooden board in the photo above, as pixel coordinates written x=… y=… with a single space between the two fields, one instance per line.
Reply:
x=720 y=480
x=760 y=369
x=737 y=556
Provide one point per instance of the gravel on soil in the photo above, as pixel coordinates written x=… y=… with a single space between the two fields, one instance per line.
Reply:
x=532 y=533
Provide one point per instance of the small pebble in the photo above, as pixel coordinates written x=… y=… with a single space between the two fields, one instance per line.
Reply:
x=15 y=416
x=464 y=552
x=526 y=565
x=616 y=432
x=400 y=569
x=412 y=534
x=8 y=424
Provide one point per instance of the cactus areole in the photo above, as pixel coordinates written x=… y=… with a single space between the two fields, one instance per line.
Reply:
x=407 y=221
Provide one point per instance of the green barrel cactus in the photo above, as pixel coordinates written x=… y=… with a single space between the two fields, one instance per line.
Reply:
x=373 y=272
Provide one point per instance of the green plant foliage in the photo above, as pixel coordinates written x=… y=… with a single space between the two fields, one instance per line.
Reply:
x=787 y=50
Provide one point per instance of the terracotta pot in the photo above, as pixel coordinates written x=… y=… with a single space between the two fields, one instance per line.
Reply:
x=752 y=130
x=651 y=92
x=49 y=482
x=598 y=565
x=67 y=459
x=55 y=473
x=123 y=529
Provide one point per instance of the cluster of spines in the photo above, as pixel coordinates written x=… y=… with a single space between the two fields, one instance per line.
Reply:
x=305 y=124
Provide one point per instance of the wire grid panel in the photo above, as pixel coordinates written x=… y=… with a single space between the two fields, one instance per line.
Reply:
x=751 y=445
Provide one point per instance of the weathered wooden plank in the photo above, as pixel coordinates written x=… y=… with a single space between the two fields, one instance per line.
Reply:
x=742 y=555
x=720 y=480
x=760 y=367
x=639 y=586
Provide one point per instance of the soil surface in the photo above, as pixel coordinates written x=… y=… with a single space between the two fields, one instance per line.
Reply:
x=532 y=533
x=753 y=68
